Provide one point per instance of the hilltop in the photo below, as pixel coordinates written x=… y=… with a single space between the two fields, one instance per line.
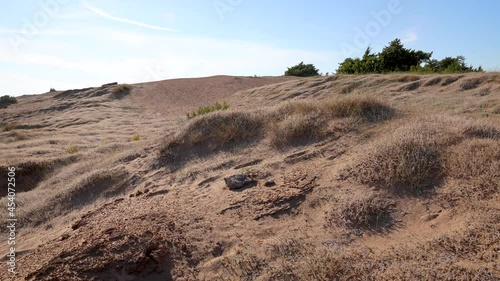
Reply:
x=354 y=177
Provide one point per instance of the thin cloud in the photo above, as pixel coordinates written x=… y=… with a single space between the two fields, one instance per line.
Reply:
x=124 y=20
x=36 y=32
x=410 y=37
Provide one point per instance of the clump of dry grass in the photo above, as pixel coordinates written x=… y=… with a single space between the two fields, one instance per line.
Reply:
x=471 y=83
x=308 y=120
x=366 y=108
x=296 y=128
x=121 y=89
x=8 y=127
x=72 y=149
x=366 y=212
x=481 y=130
x=218 y=129
x=291 y=123
x=329 y=265
x=476 y=161
x=410 y=158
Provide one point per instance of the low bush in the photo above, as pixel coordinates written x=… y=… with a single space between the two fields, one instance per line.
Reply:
x=302 y=70
x=7 y=100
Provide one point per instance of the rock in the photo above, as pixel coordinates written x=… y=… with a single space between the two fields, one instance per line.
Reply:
x=110 y=84
x=269 y=184
x=238 y=181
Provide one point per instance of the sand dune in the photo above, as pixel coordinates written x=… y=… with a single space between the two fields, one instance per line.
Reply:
x=371 y=177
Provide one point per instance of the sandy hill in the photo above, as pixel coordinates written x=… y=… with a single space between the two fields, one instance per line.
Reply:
x=371 y=177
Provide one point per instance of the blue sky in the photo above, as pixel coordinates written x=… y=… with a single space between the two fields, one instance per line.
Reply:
x=79 y=43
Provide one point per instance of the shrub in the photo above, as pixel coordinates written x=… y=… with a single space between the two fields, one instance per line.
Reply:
x=136 y=137
x=72 y=149
x=7 y=100
x=207 y=109
x=302 y=70
x=52 y=90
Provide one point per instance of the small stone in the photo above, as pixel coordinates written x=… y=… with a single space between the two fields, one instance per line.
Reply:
x=269 y=183
x=238 y=181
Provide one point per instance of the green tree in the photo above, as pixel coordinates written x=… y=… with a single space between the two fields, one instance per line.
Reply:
x=396 y=57
x=302 y=70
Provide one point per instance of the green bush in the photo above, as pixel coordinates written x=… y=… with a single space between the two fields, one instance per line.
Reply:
x=207 y=109
x=302 y=70
x=6 y=100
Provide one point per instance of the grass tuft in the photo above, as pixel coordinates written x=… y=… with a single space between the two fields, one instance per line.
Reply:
x=121 y=90
x=207 y=109
x=368 y=212
x=410 y=159
x=72 y=149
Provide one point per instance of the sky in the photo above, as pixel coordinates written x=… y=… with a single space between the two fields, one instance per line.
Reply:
x=68 y=44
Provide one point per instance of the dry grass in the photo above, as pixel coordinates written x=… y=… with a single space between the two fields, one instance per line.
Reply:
x=297 y=128
x=121 y=90
x=8 y=127
x=478 y=162
x=367 y=212
x=292 y=123
x=217 y=130
x=481 y=130
x=409 y=158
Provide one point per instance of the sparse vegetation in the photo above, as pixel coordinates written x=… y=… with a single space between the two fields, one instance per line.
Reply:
x=72 y=149
x=136 y=137
x=207 y=109
x=7 y=100
x=302 y=70
x=294 y=122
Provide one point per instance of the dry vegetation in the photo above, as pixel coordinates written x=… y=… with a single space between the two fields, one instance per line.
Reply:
x=372 y=177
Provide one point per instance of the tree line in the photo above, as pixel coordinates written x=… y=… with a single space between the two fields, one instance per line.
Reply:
x=393 y=58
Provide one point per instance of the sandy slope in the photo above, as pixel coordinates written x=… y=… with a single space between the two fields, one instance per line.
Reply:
x=116 y=211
